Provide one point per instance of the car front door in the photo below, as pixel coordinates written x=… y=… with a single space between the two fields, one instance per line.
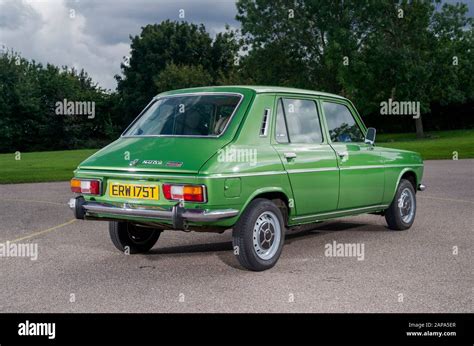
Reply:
x=306 y=155
x=361 y=165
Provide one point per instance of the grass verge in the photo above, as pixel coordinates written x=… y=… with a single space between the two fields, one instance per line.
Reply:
x=435 y=146
x=59 y=165
x=41 y=166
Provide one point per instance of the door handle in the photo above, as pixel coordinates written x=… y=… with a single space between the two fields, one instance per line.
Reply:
x=342 y=154
x=289 y=156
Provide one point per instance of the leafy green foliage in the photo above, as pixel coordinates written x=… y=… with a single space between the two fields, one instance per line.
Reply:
x=172 y=55
x=179 y=77
x=28 y=95
x=368 y=51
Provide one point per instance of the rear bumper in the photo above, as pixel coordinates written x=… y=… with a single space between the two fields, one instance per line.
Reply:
x=177 y=215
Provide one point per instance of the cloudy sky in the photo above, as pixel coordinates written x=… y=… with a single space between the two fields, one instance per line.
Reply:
x=93 y=34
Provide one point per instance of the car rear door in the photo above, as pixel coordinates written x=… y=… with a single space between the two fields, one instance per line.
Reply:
x=362 y=172
x=306 y=155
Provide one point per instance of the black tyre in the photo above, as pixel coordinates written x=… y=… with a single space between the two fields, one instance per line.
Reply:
x=131 y=238
x=400 y=215
x=258 y=235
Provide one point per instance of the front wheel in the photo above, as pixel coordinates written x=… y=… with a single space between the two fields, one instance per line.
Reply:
x=258 y=236
x=400 y=215
x=131 y=238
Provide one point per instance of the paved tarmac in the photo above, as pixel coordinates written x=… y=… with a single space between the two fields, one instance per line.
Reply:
x=79 y=270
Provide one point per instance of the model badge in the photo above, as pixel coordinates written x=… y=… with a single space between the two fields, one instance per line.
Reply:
x=152 y=162
x=134 y=162
x=174 y=164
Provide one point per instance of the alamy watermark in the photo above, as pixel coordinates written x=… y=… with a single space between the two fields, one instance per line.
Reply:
x=233 y=154
x=66 y=107
x=11 y=249
x=28 y=328
x=335 y=249
x=392 y=107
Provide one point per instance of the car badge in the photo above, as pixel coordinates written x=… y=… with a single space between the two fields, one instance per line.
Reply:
x=152 y=162
x=134 y=162
x=174 y=164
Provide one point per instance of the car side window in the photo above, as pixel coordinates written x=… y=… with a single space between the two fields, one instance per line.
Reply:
x=341 y=124
x=301 y=119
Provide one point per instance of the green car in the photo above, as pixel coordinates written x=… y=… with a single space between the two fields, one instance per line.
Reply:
x=257 y=160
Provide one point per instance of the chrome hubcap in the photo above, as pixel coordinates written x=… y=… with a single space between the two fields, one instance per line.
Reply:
x=406 y=205
x=266 y=235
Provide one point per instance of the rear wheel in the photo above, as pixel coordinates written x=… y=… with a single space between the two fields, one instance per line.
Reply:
x=400 y=215
x=132 y=238
x=259 y=235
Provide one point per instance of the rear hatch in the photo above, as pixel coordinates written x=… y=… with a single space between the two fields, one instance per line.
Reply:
x=176 y=133
x=184 y=155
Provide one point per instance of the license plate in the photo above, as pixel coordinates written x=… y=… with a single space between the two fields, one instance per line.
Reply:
x=136 y=191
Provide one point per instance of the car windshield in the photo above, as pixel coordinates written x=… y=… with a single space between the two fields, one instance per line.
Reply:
x=191 y=115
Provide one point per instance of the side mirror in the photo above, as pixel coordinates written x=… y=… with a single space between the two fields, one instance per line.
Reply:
x=370 y=136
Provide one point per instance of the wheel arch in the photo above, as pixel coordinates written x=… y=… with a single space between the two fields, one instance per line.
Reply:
x=391 y=190
x=409 y=174
x=275 y=194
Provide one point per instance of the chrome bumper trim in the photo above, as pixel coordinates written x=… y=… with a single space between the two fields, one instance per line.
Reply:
x=193 y=215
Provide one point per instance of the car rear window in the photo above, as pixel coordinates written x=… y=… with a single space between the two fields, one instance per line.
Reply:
x=187 y=115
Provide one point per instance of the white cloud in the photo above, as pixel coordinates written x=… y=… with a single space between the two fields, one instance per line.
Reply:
x=95 y=36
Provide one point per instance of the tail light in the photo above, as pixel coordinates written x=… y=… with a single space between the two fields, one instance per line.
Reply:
x=85 y=186
x=189 y=193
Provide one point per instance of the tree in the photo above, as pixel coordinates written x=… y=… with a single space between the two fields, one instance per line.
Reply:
x=301 y=43
x=408 y=56
x=28 y=95
x=369 y=51
x=177 y=48
x=454 y=47
x=185 y=76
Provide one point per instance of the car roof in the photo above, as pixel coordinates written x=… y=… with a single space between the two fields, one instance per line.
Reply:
x=259 y=89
